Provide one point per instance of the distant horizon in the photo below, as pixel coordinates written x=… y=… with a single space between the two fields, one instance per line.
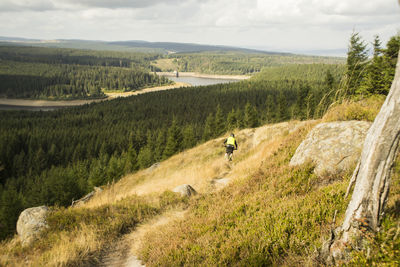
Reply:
x=306 y=27
x=317 y=52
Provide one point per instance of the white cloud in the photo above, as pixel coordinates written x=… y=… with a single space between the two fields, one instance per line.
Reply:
x=19 y=5
x=281 y=25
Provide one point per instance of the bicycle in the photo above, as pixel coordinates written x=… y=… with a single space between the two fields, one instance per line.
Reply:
x=229 y=153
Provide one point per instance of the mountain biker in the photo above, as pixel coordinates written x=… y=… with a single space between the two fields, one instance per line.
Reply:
x=230 y=144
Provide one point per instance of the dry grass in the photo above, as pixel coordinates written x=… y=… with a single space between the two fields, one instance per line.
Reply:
x=199 y=166
x=365 y=109
x=273 y=215
x=66 y=248
x=73 y=248
x=135 y=238
x=78 y=236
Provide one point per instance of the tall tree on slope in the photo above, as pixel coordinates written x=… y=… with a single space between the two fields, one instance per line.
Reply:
x=356 y=61
x=371 y=177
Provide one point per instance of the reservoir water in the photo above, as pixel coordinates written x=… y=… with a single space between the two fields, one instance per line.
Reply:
x=198 y=81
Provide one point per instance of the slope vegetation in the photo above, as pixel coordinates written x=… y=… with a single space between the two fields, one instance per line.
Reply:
x=254 y=211
x=201 y=167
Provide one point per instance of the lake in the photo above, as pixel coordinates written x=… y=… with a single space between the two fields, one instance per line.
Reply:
x=198 y=81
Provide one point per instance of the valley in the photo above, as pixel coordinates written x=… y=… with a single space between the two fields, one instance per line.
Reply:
x=116 y=127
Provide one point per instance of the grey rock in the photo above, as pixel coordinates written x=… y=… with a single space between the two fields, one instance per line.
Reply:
x=333 y=146
x=86 y=198
x=185 y=190
x=31 y=223
x=153 y=167
x=220 y=183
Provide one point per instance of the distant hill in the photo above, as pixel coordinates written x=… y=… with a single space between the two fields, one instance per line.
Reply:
x=186 y=47
x=133 y=46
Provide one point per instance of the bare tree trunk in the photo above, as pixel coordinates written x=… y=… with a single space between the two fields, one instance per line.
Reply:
x=372 y=175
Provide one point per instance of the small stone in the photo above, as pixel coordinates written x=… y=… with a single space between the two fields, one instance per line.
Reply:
x=185 y=190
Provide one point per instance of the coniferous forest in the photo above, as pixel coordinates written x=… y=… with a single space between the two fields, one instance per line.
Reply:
x=44 y=73
x=54 y=157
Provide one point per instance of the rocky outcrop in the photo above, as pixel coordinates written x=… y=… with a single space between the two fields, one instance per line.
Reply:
x=31 y=223
x=333 y=146
x=185 y=190
x=86 y=198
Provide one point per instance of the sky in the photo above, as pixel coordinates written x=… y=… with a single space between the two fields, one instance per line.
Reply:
x=273 y=25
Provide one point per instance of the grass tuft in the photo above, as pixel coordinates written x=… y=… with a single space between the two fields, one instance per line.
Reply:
x=362 y=110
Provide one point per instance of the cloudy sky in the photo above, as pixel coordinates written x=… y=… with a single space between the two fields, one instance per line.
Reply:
x=283 y=25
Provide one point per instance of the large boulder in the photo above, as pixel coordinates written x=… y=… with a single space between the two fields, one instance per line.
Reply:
x=332 y=146
x=31 y=223
x=185 y=190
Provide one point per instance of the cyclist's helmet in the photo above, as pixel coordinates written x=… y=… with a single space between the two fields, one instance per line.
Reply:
x=232 y=135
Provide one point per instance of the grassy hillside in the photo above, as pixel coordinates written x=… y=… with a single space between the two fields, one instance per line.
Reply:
x=269 y=214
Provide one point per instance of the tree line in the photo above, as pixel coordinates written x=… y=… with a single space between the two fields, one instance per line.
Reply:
x=77 y=56
x=65 y=81
x=367 y=76
x=238 y=62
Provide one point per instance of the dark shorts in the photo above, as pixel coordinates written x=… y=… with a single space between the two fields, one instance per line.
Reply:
x=229 y=149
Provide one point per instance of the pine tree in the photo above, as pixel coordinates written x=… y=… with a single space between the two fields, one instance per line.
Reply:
x=231 y=120
x=114 y=169
x=11 y=205
x=329 y=80
x=131 y=160
x=282 y=107
x=220 y=122
x=150 y=140
x=356 y=62
x=209 y=127
x=301 y=102
x=270 y=111
x=145 y=158
x=240 y=119
x=250 y=116
x=374 y=78
x=160 y=145
x=189 y=139
x=174 y=140
x=98 y=170
x=390 y=55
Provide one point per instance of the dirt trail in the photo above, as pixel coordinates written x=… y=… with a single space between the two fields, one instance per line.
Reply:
x=123 y=252
x=254 y=145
